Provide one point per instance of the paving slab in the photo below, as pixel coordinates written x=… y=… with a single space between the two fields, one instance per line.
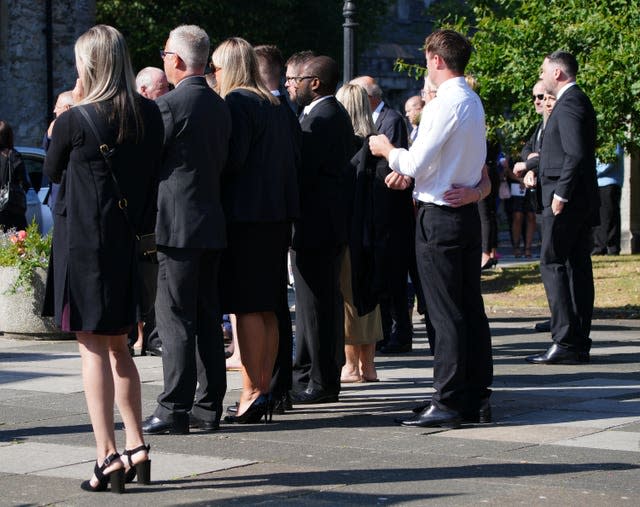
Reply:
x=562 y=435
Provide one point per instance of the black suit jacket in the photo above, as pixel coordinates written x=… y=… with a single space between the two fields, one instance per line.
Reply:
x=260 y=183
x=567 y=158
x=391 y=123
x=327 y=147
x=533 y=145
x=197 y=127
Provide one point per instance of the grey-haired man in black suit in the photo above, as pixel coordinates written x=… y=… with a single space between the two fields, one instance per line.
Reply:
x=190 y=233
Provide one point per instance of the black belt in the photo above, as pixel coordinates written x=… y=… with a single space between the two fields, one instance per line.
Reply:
x=421 y=204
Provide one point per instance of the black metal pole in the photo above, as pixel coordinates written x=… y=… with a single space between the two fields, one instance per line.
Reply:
x=349 y=12
x=48 y=35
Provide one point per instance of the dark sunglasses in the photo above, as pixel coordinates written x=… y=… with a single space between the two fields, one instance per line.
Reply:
x=539 y=96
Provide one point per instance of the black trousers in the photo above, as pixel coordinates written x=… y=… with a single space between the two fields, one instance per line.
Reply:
x=283 y=368
x=319 y=319
x=606 y=236
x=567 y=275
x=396 y=322
x=188 y=322
x=448 y=253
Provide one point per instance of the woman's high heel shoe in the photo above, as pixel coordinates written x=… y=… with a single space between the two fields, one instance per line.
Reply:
x=116 y=477
x=141 y=469
x=253 y=414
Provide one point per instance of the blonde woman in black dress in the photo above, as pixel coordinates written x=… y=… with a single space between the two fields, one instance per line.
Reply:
x=93 y=277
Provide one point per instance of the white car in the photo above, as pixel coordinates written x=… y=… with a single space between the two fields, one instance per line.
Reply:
x=38 y=194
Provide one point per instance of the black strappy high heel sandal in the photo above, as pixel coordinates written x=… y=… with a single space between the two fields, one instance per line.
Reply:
x=116 y=477
x=142 y=469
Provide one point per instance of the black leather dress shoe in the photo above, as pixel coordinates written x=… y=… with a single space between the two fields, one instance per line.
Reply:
x=203 y=424
x=433 y=417
x=395 y=348
x=543 y=327
x=153 y=425
x=154 y=350
x=310 y=396
x=480 y=416
x=281 y=404
x=559 y=355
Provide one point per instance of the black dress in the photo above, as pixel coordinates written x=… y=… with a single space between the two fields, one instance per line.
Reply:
x=260 y=200
x=93 y=282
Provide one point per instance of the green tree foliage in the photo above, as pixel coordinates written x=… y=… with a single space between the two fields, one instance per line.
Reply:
x=292 y=25
x=511 y=37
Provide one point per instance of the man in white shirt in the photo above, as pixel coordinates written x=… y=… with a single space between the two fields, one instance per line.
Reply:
x=446 y=161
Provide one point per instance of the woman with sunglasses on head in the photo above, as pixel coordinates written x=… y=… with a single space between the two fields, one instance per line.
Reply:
x=105 y=197
x=260 y=199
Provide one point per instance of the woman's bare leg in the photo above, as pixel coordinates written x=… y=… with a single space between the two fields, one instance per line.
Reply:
x=98 y=385
x=127 y=393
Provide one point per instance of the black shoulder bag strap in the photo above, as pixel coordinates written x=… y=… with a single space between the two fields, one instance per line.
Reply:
x=146 y=243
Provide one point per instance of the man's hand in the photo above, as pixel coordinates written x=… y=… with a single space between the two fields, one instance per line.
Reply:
x=460 y=196
x=397 y=181
x=519 y=168
x=557 y=205
x=380 y=146
x=530 y=180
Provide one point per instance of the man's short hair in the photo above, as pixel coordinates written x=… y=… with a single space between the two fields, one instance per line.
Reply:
x=454 y=48
x=300 y=58
x=369 y=84
x=191 y=43
x=271 y=54
x=271 y=63
x=326 y=70
x=566 y=61
x=146 y=77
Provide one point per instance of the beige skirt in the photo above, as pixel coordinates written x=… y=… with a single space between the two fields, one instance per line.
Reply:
x=357 y=330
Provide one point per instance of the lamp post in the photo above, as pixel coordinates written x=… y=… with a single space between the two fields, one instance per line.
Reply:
x=349 y=12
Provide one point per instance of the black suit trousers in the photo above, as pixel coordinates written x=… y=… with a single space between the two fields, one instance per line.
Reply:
x=448 y=250
x=606 y=236
x=319 y=318
x=565 y=266
x=188 y=322
x=282 y=370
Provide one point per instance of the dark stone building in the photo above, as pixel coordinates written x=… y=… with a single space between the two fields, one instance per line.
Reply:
x=37 y=60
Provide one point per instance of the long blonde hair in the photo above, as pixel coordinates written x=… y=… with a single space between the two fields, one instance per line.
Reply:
x=105 y=71
x=355 y=100
x=238 y=60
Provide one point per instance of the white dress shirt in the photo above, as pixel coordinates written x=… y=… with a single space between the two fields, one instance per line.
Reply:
x=451 y=146
x=377 y=111
x=307 y=109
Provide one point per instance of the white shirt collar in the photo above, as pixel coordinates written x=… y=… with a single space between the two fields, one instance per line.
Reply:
x=376 y=113
x=307 y=109
x=564 y=89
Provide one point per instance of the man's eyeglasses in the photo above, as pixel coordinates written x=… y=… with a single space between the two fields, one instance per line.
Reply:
x=425 y=93
x=538 y=96
x=164 y=53
x=299 y=79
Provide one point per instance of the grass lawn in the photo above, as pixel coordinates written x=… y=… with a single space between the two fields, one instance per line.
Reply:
x=616 y=279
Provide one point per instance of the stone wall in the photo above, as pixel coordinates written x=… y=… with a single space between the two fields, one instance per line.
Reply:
x=23 y=60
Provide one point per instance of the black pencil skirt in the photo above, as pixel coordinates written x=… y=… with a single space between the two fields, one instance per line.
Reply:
x=252 y=266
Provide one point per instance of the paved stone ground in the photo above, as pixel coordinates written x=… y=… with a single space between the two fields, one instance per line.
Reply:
x=563 y=435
